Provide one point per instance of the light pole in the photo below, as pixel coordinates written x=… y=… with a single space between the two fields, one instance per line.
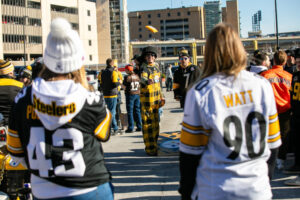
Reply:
x=24 y=39
x=276 y=22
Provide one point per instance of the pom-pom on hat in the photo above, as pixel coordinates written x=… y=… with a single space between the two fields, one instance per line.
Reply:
x=64 y=49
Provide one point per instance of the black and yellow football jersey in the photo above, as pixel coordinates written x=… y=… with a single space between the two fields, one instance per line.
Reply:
x=70 y=155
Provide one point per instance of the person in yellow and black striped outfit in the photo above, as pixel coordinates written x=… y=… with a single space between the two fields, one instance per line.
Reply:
x=151 y=99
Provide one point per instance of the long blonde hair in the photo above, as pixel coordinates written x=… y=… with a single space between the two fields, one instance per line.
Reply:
x=224 y=52
x=78 y=76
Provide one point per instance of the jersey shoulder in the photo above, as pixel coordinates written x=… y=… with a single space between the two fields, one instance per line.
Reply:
x=204 y=86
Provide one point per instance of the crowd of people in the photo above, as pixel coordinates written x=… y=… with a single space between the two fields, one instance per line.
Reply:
x=240 y=124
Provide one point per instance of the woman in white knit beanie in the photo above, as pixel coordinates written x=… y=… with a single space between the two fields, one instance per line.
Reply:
x=58 y=125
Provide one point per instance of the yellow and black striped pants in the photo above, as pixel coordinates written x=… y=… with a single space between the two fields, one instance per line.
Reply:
x=150 y=129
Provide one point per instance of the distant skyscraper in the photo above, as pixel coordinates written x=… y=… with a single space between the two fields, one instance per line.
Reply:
x=113 y=30
x=213 y=15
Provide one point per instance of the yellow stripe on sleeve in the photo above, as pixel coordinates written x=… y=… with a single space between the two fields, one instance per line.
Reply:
x=13 y=142
x=195 y=140
x=274 y=128
x=114 y=76
x=102 y=131
x=196 y=128
x=274 y=139
x=271 y=117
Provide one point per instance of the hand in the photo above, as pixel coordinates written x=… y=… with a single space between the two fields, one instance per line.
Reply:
x=150 y=81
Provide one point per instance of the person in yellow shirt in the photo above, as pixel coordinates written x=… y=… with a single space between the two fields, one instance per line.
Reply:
x=119 y=97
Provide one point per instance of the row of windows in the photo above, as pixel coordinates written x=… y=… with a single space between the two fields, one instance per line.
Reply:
x=31 y=39
x=20 y=39
x=168 y=21
x=21 y=3
x=64 y=9
x=20 y=20
x=14 y=2
x=168 y=14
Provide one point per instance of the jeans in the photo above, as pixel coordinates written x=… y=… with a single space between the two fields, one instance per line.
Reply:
x=103 y=192
x=133 y=108
x=169 y=84
x=112 y=105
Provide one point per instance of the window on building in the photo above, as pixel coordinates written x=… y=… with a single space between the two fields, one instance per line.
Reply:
x=150 y=35
x=149 y=15
x=89 y=27
x=88 y=13
x=91 y=57
x=140 y=36
x=140 y=16
x=178 y=14
x=35 y=5
x=169 y=14
x=35 y=39
x=188 y=13
x=158 y=15
x=34 y=22
x=140 y=23
x=90 y=42
x=140 y=29
x=118 y=27
x=161 y=21
x=64 y=9
x=149 y=22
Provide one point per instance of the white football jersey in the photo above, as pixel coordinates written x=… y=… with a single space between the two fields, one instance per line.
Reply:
x=233 y=123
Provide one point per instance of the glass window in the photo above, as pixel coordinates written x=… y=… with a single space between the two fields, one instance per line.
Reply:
x=89 y=27
x=88 y=13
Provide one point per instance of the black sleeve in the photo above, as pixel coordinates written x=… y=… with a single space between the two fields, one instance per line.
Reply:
x=272 y=161
x=188 y=167
x=176 y=90
x=195 y=76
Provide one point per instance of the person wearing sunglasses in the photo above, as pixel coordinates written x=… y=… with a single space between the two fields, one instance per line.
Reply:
x=151 y=99
x=184 y=76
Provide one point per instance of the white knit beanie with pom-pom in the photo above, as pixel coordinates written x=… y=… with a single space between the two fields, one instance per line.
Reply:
x=64 y=50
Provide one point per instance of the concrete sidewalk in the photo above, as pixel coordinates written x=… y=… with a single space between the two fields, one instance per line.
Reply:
x=137 y=176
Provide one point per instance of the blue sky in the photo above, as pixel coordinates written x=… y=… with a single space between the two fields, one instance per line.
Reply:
x=288 y=12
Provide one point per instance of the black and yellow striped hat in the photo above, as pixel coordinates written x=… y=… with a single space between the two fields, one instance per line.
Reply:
x=6 y=67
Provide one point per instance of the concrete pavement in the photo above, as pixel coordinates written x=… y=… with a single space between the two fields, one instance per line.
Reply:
x=137 y=176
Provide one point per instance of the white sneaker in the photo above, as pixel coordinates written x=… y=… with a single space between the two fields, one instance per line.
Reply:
x=279 y=164
x=293 y=182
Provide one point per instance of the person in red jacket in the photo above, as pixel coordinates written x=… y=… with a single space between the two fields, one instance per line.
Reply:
x=281 y=83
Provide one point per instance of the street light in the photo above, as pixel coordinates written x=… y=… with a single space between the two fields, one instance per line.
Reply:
x=24 y=38
x=276 y=22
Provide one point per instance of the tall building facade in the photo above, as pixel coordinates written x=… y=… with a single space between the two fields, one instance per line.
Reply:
x=230 y=14
x=112 y=20
x=26 y=24
x=213 y=15
x=172 y=24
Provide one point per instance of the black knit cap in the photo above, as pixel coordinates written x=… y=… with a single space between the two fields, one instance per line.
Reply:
x=135 y=57
x=149 y=49
x=184 y=52
x=297 y=53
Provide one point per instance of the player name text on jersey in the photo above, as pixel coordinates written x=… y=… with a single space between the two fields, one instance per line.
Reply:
x=240 y=98
x=53 y=109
